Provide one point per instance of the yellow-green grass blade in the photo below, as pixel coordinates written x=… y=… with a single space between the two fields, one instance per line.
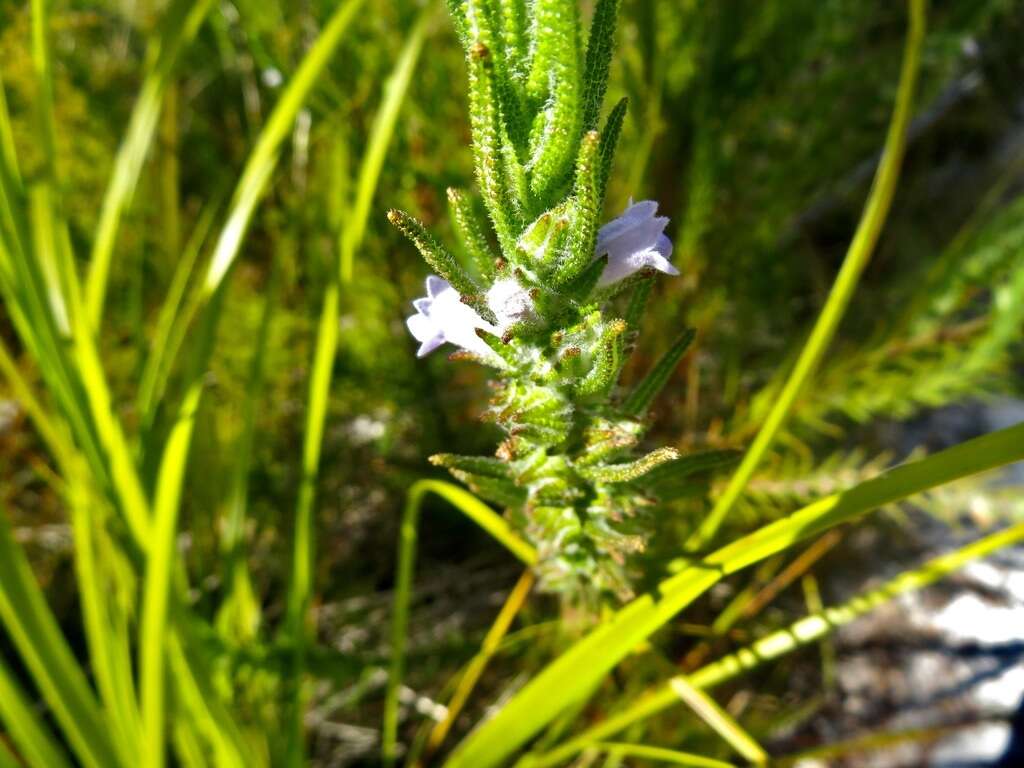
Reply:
x=43 y=649
x=721 y=722
x=468 y=680
x=178 y=27
x=660 y=755
x=383 y=128
x=162 y=555
x=157 y=587
x=263 y=158
x=203 y=711
x=569 y=678
x=799 y=634
x=42 y=68
x=868 y=230
x=34 y=742
x=7 y=149
x=105 y=636
x=349 y=241
x=479 y=513
x=173 y=320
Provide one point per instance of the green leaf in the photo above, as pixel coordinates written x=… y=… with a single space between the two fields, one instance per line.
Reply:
x=486 y=466
x=470 y=233
x=643 y=394
x=609 y=140
x=624 y=473
x=586 y=208
x=436 y=255
x=608 y=360
x=488 y=144
x=600 y=43
x=554 y=87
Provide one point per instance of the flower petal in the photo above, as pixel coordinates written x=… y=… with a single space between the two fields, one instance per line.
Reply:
x=421 y=327
x=436 y=285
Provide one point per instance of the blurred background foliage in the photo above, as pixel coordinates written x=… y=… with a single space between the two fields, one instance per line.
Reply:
x=756 y=124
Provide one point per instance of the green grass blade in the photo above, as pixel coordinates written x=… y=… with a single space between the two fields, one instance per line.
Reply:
x=861 y=248
x=724 y=725
x=660 y=755
x=45 y=652
x=7 y=149
x=173 y=321
x=350 y=239
x=35 y=743
x=570 y=677
x=263 y=159
x=108 y=655
x=476 y=511
x=157 y=587
x=248 y=192
x=179 y=26
x=799 y=634
x=395 y=90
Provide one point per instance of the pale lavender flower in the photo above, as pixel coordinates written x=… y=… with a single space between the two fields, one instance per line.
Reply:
x=633 y=241
x=442 y=317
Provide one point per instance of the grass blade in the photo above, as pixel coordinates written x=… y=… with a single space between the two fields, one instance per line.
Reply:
x=476 y=511
x=38 y=640
x=350 y=239
x=659 y=754
x=28 y=733
x=492 y=640
x=864 y=240
x=724 y=725
x=569 y=678
x=179 y=26
x=799 y=634
x=263 y=159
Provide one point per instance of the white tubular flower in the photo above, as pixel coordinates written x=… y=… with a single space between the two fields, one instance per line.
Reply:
x=510 y=303
x=634 y=240
x=442 y=317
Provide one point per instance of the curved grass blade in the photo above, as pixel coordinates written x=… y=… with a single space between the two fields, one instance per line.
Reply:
x=179 y=26
x=480 y=514
x=868 y=230
x=263 y=159
x=569 y=678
